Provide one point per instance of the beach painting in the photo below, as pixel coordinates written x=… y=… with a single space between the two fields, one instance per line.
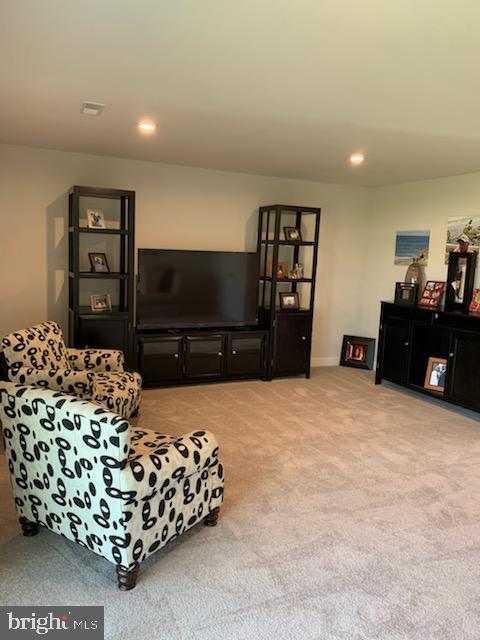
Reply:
x=410 y=245
x=468 y=226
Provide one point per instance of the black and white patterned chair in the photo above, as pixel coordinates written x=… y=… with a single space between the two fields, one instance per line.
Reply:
x=84 y=473
x=39 y=356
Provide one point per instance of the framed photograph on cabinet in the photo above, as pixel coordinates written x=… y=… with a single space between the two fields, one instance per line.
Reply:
x=436 y=374
x=475 y=302
x=101 y=302
x=406 y=293
x=432 y=294
x=289 y=300
x=99 y=263
x=95 y=219
x=357 y=352
x=461 y=274
x=292 y=234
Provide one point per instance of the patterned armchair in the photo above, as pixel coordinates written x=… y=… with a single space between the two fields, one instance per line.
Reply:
x=84 y=473
x=39 y=356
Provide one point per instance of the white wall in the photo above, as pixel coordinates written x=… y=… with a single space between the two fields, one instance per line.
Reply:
x=177 y=207
x=419 y=205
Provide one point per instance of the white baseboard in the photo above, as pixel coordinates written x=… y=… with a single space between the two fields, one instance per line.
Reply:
x=324 y=362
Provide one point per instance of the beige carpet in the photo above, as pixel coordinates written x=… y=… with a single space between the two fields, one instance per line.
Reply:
x=352 y=512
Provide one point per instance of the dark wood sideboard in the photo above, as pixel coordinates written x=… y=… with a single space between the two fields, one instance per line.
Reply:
x=408 y=336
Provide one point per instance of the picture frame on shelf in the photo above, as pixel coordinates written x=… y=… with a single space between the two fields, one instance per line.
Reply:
x=101 y=302
x=436 y=374
x=432 y=294
x=406 y=293
x=475 y=302
x=289 y=301
x=99 y=263
x=95 y=219
x=460 y=279
x=292 y=234
x=357 y=352
x=282 y=270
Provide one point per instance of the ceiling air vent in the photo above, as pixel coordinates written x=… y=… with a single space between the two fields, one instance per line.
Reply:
x=92 y=108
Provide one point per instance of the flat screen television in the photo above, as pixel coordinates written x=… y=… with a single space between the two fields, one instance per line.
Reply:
x=191 y=289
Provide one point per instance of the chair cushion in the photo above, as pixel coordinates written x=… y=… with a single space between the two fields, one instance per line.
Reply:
x=39 y=347
x=118 y=391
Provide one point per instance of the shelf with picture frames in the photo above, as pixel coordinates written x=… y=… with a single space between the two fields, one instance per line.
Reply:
x=288 y=246
x=101 y=230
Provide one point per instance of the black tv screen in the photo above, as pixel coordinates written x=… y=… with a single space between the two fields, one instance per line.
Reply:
x=188 y=289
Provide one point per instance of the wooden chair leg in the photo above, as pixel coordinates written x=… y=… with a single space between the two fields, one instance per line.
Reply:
x=127 y=578
x=29 y=528
x=212 y=518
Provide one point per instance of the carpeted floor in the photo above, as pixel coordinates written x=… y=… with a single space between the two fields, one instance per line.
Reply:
x=352 y=512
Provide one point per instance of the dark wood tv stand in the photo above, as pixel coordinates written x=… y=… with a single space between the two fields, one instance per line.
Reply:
x=203 y=355
x=410 y=335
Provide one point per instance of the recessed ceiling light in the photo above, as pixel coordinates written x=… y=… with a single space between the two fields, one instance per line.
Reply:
x=146 y=126
x=92 y=108
x=357 y=158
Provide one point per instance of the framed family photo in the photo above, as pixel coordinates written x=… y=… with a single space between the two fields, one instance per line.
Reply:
x=436 y=374
x=293 y=234
x=99 y=263
x=289 y=300
x=101 y=302
x=95 y=219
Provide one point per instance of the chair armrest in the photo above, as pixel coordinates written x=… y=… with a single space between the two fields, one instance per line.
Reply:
x=150 y=465
x=95 y=359
x=77 y=383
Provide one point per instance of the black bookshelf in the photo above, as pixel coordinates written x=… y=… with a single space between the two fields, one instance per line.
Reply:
x=114 y=328
x=289 y=331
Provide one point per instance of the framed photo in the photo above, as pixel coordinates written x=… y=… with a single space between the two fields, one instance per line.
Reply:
x=293 y=234
x=289 y=300
x=406 y=293
x=432 y=294
x=282 y=270
x=357 y=352
x=436 y=374
x=460 y=277
x=475 y=302
x=96 y=219
x=99 y=262
x=101 y=302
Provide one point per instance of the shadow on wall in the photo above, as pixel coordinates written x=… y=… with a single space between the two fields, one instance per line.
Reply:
x=251 y=232
x=57 y=260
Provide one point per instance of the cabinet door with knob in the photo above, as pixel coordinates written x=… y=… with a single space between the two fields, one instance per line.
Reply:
x=204 y=356
x=396 y=350
x=160 y=360
x=246 y=354
x=463 y=381
x=291 y=343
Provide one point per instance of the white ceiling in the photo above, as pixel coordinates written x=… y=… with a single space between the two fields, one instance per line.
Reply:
x=275 y=87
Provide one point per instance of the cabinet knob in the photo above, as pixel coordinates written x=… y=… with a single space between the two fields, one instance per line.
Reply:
x=406 y=344
x=451 y=354
x=220 y=353
x=175 y=355
x=234 y=353
x=304 y=337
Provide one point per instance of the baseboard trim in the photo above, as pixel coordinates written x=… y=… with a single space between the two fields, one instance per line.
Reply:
x=324 y=362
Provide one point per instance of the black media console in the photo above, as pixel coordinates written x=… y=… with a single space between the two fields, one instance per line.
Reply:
x=199 y=356
x=409 y=336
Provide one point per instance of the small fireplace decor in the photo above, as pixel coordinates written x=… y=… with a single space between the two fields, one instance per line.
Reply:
x=357 y=352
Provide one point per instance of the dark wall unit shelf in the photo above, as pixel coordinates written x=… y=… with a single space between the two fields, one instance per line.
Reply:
x=289 y=331
x=110 y=329
x=408 y=336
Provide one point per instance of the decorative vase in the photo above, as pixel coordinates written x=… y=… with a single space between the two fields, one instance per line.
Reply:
x=415 y=275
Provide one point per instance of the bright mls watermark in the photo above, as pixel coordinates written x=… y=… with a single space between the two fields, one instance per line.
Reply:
x=25 y=623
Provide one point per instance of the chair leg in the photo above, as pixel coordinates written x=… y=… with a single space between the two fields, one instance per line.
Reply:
x=127 y=578
x=29 y=528
x=212 y=518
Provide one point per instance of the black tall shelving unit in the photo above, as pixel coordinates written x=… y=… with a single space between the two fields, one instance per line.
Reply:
x=108 y=329
x=290 y=331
